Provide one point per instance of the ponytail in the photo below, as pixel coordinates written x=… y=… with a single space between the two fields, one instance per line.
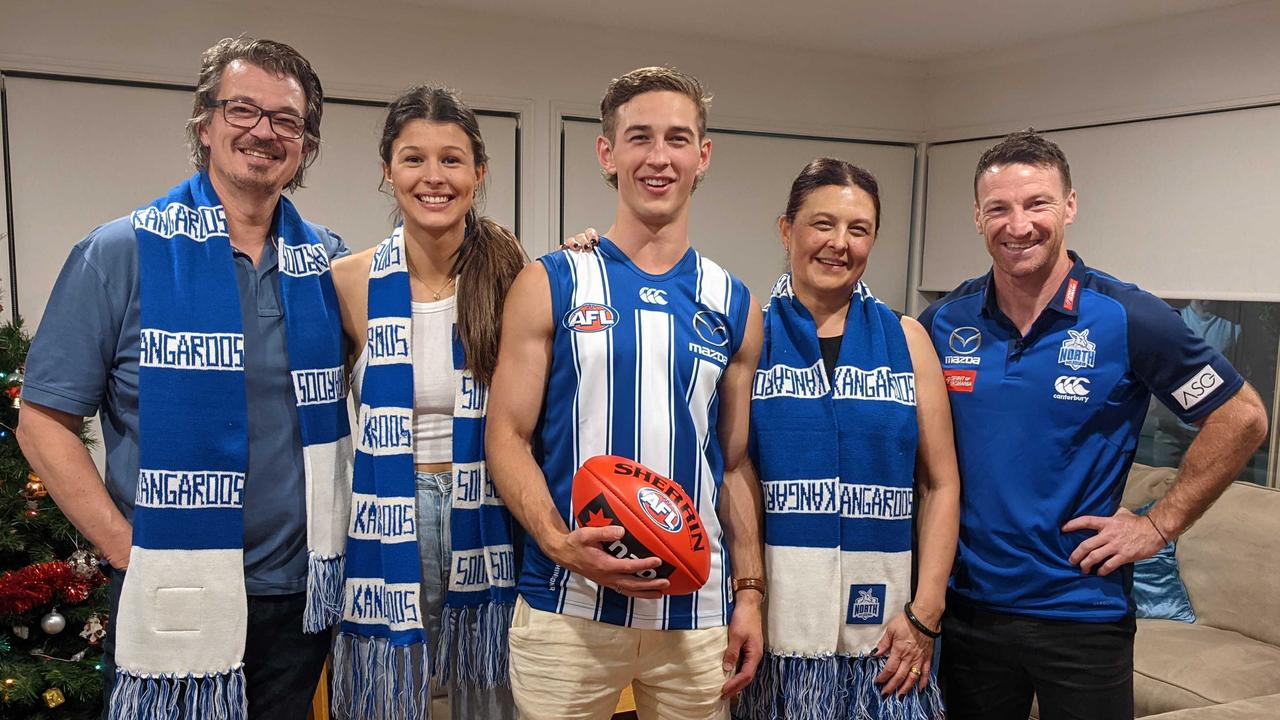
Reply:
x=486 y=265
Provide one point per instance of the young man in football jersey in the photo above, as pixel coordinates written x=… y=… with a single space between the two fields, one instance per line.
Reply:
x=1051 y=366
x=647 y=350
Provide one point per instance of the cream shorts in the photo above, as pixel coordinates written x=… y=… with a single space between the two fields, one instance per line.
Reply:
x=571 y=668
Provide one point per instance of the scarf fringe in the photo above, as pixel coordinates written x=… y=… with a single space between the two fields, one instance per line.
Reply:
x=169 y=697
x=472 y=647
x=373 y=679
x=832 y=687
x=324 y=592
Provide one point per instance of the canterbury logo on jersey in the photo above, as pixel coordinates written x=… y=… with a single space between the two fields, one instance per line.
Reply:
x=591 y=317
x=1071 y=388
x=653 y=296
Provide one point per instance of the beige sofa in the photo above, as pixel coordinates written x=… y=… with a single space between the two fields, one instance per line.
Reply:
x=1225 y=666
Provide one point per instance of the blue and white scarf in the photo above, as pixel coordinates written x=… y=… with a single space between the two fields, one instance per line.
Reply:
x=381 y=658
x=837 y=462
x=183 y=609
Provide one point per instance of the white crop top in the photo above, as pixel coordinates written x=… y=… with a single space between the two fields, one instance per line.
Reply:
x=434 y=381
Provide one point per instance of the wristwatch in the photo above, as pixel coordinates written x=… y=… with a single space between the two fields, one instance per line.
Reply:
x=751 y=583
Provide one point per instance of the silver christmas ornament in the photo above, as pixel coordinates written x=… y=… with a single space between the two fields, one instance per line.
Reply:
x=53 y=623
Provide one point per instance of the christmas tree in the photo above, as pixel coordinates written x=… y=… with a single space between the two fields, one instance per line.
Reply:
x=53 y=598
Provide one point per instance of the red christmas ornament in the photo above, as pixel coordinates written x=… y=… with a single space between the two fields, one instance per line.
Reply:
x=13 y=391
x=36 y=585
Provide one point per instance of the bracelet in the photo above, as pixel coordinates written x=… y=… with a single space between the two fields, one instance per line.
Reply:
x=1158 y=530
x=915 y=621
x=757 y=584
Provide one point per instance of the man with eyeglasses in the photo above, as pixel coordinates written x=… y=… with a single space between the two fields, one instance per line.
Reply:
x=218 y=374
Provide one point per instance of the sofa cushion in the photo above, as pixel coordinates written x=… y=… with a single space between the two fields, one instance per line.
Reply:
x=1230 y=565
x=1259 y=708
x=1158 y=591
x=1145 y=484
x=1177 y=665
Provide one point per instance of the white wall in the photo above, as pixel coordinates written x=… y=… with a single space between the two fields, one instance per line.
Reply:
x=374 y=49
x=1218 y=58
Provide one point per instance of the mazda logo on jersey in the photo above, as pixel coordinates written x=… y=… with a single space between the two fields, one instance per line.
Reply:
x=591 y=317
x=965 y=340
x=711 y=328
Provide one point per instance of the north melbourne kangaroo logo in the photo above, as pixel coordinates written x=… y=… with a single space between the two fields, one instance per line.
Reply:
x=653 y=296
x=1077 y=351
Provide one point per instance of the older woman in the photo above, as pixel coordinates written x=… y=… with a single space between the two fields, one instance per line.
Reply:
x=852 y=439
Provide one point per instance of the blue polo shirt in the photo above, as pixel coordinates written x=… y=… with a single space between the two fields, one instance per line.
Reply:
x=84 y=359
x=1046 y=427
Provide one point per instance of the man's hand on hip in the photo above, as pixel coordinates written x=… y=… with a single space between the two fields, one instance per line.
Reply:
x=1121 y=539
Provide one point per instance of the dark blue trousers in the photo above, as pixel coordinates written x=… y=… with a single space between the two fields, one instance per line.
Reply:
x=992 y=664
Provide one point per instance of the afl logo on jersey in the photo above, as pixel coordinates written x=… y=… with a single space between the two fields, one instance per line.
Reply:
x=591 y=317
x=660 y=509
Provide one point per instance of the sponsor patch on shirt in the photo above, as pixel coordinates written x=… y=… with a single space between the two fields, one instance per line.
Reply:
x=1069 y=298
x=960 y=380
x=1200 y=386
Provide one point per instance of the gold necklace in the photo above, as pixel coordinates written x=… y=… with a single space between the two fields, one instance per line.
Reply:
x=435 y=294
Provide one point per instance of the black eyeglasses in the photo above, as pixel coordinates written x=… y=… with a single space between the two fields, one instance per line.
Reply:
x=246 y=115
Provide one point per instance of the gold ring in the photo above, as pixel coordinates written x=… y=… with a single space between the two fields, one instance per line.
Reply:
x=915 y=670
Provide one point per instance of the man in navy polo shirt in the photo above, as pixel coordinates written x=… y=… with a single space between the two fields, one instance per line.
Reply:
x=1051 y=366
x=85 y=359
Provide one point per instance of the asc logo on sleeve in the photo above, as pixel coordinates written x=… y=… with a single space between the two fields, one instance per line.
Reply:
x=1200 y=386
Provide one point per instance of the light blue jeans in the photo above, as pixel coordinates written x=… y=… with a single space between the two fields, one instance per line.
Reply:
x=465 y=702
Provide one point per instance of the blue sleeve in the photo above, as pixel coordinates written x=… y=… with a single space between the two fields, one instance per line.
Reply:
x=74 y=349
x=1183 y=371
x=332 y=241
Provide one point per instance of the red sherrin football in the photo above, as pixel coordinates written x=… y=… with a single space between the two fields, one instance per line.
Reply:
x=657 y=515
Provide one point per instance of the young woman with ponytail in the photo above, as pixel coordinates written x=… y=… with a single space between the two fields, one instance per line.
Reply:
x=431 y=567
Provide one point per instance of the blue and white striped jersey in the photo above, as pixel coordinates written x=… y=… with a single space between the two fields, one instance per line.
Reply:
x=635 y=368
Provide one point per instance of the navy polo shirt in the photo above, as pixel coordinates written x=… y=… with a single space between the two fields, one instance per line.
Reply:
x=84 y=359
x=1046 y=427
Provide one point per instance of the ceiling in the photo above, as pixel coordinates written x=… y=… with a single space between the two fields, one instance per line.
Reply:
x=902 y=30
